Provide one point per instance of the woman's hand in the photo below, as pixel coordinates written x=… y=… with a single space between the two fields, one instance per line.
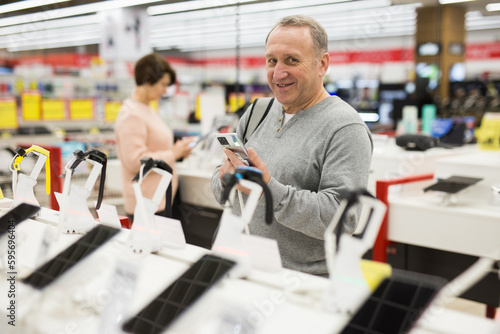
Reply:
x=181 y=147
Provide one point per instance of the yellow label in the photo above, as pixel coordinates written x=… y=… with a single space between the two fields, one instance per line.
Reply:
x=488 y=135
x=111 y=110
x=31 y=106
x=81 y=109
x=8 y=114
x=236 y=101
x=53 y=110
x=197 y=108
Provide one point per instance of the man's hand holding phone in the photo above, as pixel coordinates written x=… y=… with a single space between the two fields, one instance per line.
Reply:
x=232 y=142
x=231 y=161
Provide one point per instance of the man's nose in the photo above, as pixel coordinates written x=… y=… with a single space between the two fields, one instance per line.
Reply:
x=280 y=72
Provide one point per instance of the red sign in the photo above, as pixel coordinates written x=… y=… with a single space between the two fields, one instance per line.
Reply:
x=482 y=51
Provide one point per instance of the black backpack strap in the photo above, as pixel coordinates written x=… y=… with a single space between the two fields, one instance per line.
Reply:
x=257 y=116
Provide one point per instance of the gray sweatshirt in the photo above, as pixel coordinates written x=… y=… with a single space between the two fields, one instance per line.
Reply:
x=319 y=152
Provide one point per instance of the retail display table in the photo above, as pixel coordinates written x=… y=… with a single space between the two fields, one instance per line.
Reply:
x=284 y=301
x=390 y=161
x=463 y=227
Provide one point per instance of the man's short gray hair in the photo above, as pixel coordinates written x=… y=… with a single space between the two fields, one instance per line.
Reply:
x=318 y=33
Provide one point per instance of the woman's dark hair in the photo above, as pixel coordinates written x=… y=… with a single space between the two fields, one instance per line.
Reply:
x=151 y=68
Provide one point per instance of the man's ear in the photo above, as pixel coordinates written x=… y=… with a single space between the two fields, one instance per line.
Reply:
x=324 y=63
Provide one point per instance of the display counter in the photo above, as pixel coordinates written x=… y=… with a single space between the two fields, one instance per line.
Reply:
x=263 y=302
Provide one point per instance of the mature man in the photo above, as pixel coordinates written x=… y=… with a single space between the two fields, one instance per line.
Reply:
x=310 y=147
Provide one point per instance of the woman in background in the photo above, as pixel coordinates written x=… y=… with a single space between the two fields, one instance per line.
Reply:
x=140 y=132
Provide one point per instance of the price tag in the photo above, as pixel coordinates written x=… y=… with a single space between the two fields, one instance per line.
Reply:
x=171 y=232
x=53 y=110
x=81 y=109
x=108 y=215
x=111 y=110
x=31 y=106
x=8 y=114
x=263 y=252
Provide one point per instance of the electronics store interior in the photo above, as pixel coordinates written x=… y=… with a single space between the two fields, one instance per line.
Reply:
x=148 y=156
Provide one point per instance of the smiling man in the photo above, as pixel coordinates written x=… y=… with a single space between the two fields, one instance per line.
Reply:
x=310 y=147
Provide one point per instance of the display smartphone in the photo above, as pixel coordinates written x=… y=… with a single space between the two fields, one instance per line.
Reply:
x=396 y=304
x=233 y=142
x=65 y=260
x=198 y=140
x=16 y=215
x=179 y=296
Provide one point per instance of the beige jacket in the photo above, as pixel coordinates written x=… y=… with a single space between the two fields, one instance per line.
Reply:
x=140 y=132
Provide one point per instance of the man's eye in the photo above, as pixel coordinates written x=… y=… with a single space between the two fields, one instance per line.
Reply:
x=292 y=60
x=271 y=61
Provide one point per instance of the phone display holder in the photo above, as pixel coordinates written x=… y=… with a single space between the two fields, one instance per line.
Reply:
x=349 y=288
x=451 y=186
x=75 y=216
x=228 y=240
x=179 y=296
x=41 y=298
x=8 y=221
x=22 y=184
x=396 y=304
x=83 y=247
x=145 y=236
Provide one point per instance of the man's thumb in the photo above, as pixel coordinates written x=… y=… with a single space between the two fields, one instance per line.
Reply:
x=254 y=157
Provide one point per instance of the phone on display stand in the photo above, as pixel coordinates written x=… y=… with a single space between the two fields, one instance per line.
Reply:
x=233 y=142
x=179 y=296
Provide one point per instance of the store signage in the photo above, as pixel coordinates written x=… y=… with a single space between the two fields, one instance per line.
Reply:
x=8 y=114
x=111 y=110
x=31 y=106
x=483 y=51
x=81 y=109
x=53 y=109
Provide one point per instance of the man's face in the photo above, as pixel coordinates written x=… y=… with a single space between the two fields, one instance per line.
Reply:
x=294 y=72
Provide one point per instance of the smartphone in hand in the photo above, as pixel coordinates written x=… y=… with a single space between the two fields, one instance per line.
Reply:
x=233 y=142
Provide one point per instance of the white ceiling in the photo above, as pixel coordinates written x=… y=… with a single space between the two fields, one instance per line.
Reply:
x=185 y=30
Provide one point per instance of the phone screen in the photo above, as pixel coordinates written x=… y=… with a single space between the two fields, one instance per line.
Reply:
x=65 y=260
x=16 y=215
x=181 y=294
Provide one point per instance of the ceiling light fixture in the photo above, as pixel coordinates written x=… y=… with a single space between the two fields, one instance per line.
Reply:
x=191 y=5
x=52 y=24
x=72 y=11
x=492 y=7
x=446 y=2
x=60 y=43
x=20 y=5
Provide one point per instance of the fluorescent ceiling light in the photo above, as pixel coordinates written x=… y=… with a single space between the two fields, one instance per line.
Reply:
x=39 y=36
x=484 y=27
x=20 y=5
x=52 y=24
x=199 y=43
x=191 y=5
x=445 y=2
x=71 y=11
x=492 y=7
x=276 y=9
x=55 y=44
